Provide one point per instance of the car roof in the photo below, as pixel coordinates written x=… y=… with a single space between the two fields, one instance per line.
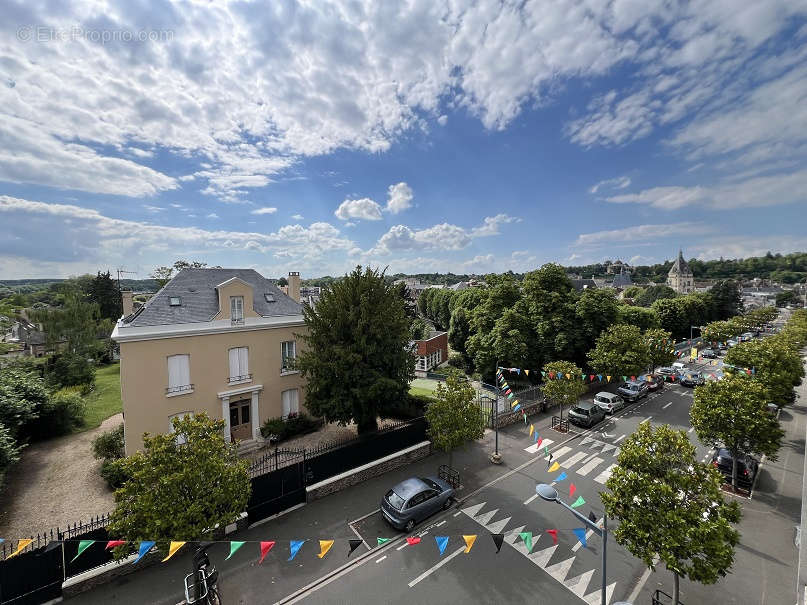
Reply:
x=630 y=382
x=409 y=487
x=606 y=394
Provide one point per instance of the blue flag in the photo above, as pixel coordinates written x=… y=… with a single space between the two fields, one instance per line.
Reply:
x=442 y=542
x=561 y=477
x=581 y=535
x=295 y=547
x=141 y=552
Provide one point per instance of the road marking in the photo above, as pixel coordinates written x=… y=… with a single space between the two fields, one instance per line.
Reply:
x=666 y=405
x=690 y=430
x=603 y=476
x=355 y=531
x=431 y=570
x=572 y=460
x=530 y=499
x=401 y=547
x=534 y=447
x=589 y=466
x=439 y=524
x=645 y=420
x=620 y=438
x=423 y=533
x=640 y=584
x=381 y=559
x=458 y=514
x=561 y=452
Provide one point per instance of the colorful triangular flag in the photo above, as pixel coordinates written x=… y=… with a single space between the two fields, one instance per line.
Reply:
x=294 y=548
x=554 y=467
x=527 y=372
x=114 y=544
x=578 y=502
x=572 y=490
x=526 y=536
x=554 y=534
x=82 y=546
x=354 y=544
x=145 y=546
x=592 y=517
x=21 y=545
x=382 y=541
x=234 y=546
x=412 y=540
x=599 y=377
x=469 y=542
x=324 y=547
x=609 y=378
x=172 y=549
x=442 y=542
x=532 y=429
x=561 y=477
x=266 y=546
x=498 y=540
x=581 y=535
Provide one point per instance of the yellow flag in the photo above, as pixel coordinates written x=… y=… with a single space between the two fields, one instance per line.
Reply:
x=514 y=404
x=324 y=547
x=21 y=544
x=172 y=549
x=554 y=467
x=532 y=429
x=609 y=378
x=527 y=372
x=469 y=542
x=568 y=376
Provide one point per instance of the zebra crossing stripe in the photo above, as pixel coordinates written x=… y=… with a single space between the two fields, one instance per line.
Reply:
x=498 y=526
x=603 y=476
x=589 y=533
x=579 y=584
x=534 y=447
x=593 y=598
x=589 y=466
x=471 y=511
x=485 y=518
x=542 y=557
x=572 y=460
x=560 y=570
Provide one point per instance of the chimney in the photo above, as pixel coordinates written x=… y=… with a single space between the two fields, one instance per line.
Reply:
x=128 y=302
x=294 y=285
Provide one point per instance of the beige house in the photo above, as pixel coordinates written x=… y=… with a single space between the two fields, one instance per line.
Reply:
x=221 y=341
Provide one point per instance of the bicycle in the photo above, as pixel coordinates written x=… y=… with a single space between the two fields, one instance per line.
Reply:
x=202 y=581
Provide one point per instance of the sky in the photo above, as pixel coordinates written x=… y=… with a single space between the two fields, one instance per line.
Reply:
x=419 y=136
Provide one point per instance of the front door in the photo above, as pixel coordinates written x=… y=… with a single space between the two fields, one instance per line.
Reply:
x=240 y=421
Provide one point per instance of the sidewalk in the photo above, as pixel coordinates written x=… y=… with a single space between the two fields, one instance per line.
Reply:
x=327 y=518
x=766 y=559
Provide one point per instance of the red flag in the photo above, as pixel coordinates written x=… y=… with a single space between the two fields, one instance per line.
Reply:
x=412 y=541
x=591 y=377
x=552 y=374
x=554 y=534
x=633 y=377
x=540 y=441
x=114 y=543
x=572 y=490
x=265 y=548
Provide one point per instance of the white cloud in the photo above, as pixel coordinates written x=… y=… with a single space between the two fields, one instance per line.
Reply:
x=760 y=191
x=442 y=120
x=212 y=215
x=620 y=182
x=264 y=210
x=491 y=224
x=640 y=233
x=399 y=198
x=153 y=209
x=297 y=217
x=364 y=208
x=745 y=246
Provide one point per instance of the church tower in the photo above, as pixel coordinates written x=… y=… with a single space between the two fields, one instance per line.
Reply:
x=680 y=277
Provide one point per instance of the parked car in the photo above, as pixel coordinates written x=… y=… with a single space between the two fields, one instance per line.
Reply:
x=666 y=372
x=692 y=379
x=586 y=414
x=747 y=467
x=747 y=336
x=773 y=409
x=731 y=343
x=679 y=366
x=654 y=382
x=632 y=390
x=414 y=500
x=709 y=354
x=609 y=402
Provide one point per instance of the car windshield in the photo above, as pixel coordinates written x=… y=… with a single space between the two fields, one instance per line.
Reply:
x=431 y=484
x=631 y=387
x=602 y=399
x=395 y=501
x=581 y=411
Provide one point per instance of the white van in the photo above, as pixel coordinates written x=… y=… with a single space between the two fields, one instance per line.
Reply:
x=679 y=366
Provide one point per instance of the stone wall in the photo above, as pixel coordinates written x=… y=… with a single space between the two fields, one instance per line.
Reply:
x=367 y=471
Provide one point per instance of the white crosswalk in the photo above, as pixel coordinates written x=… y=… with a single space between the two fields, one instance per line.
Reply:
x=577 y=585
x=595 y=453
x=603 y=476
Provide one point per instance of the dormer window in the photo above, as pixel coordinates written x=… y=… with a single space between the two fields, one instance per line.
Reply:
x=269 y=297
x=175 y=301
x=237 y=309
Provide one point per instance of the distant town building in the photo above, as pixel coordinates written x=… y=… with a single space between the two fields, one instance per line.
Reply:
x=430 y=352
x=617 y=267
x=680 y=277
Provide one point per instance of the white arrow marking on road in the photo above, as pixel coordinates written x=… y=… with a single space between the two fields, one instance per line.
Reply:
x=498 y=526
x=586 y=440
x=431 y=570
x=579 y=584
x=560 y=570
x=606 y=435
x=608 y=448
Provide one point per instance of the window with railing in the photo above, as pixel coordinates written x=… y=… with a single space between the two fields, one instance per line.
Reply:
x=237 y=310
x=179 y=375
x=288 y=355
x=291 y=403
x=239 y=365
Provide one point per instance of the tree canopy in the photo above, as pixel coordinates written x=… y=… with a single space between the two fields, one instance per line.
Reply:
x=777 y=366
x=180 y=491
x=622 y=351
x=567 y=390
x=356 y=357
x=670 y=507
x=454 y=417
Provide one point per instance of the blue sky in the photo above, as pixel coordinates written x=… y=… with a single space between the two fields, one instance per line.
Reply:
x=444 y=136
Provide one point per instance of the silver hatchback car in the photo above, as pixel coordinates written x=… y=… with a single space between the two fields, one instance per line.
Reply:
x=609 y=402
x=415 y=499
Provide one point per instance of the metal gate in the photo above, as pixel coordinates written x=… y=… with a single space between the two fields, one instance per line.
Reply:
x=32 y=577
x=276 y=491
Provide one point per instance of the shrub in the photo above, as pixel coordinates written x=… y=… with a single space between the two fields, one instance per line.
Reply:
x=109 y=445
x=114 y=473
x=285 y=429
x=69 y=370
x=414 y=407
x=456 y=361
x=60 y=415
x=9 y=452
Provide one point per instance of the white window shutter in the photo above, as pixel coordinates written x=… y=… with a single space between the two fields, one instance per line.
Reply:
x=186 y=369
x=295 y=402
x=243 y=361
x=286 y=403
x=234 y=363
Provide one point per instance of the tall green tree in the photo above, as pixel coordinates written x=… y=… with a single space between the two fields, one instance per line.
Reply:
x=659 y=343
x=76 y=323
x=22 y=398
x=103 y=291
x=732 y=411
x=454 y=418
x=653 y=293
x=637 y=316
x=728 y=298
x=551 y=299
x=785 y=298
x=459 y=329
x=356 y=358
x=621 y=351
x=566 y=390
x=670 y=507
x=180 y=492
x=720 y=331
x=672 y=314
x=596 y=310
x=776 y=365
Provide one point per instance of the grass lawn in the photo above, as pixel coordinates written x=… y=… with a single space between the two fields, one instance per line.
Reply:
x=421 y=391
x=105 y=400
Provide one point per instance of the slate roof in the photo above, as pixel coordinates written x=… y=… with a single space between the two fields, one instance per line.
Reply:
x=200 y=299
x=581 y=284
x=680 y=266
x=622 y=280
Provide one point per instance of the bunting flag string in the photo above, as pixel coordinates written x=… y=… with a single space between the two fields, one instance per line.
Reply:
x=266 y=546
x=578 y=502
x=294 y=548
x=82 y=546
x=354 y=544
x=498 y=540
x=412 y=540
x=572 y=490
x=324 y=547
x=554 y=467
x=554 y=534
x=145 y=546
x=526 y=536
x=21 y=545
x=581 y=535
x=173 y=548
x=469 y=542
x=561 y=477
x=234 y=546
x=383 y=540
x=114 y=544
x=442 y=542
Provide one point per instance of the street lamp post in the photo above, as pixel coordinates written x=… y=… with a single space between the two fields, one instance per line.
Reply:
x=496 y=458
x=550 y=494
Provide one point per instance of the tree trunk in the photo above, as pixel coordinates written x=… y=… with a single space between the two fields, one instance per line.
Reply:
x=366 y=425
x=675 y=589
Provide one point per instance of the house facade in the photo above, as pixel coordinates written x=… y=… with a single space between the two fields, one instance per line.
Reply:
x=430 y=352
x=222 y=341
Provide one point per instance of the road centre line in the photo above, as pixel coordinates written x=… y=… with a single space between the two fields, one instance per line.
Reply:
x=646 y=419
x=402 y=546
x=381 y=559
x=434 y=568
x=530 y=499
x=620 y=439
x=666 y=405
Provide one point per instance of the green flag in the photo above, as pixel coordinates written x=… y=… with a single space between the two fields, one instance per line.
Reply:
x=383 y=541
x=578 y=502
x=546 y=450
x=527 y=537
x=82 y=546
x=234 y=546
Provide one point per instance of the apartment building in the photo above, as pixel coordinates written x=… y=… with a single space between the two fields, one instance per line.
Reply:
x=223 y=341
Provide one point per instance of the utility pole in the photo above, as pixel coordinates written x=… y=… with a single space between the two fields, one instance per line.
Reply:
x=496 y=458
x=122 y=271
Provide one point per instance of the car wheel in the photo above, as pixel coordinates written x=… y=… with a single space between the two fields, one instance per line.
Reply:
x=409 y=525
x=447 y=504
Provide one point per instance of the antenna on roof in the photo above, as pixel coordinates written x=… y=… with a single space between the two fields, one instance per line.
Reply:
x=122 y=271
